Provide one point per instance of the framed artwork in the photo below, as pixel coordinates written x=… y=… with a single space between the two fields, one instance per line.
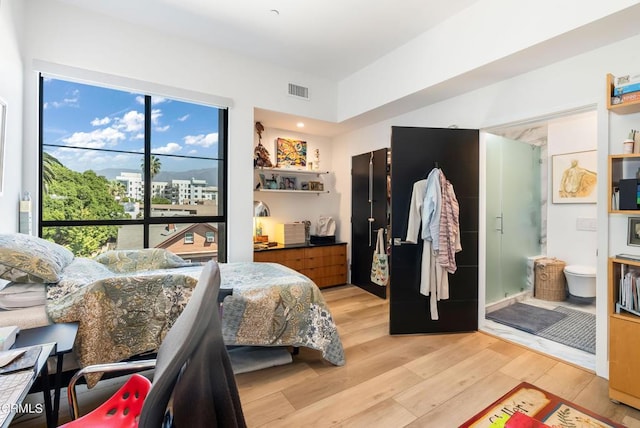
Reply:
x=574 y=178
x=3 y=132
x=291 y=153
x=633 y=234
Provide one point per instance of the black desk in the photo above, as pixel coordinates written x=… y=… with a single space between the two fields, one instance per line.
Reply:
x=40 y=368
x=63 y=335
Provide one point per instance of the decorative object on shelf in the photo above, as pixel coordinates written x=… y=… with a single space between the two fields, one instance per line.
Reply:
x=316 y=186
x=291 y=153
x=304 y=185
x=574 y=177
x=288 y=183
x=261 y=154
x=627 y=146
x=633 y=233
x=260 y=209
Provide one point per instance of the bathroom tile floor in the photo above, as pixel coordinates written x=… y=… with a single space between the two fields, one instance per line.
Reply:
x=558 y=350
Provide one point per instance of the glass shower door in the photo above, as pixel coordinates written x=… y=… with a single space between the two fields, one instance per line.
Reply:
x=513 y=214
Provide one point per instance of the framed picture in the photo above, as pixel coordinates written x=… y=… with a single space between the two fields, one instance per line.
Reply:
x=633 y=234
x=288 y=183
x=3 y=131
x=574 y=178
x=291 y=153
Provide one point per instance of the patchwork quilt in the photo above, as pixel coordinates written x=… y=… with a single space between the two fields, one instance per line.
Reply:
x=126 y=301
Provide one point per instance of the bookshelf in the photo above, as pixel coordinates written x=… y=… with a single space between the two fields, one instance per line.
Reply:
x=624 y=329
x=624 y=318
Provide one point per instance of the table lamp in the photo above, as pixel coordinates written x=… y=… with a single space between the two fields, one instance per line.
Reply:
x=260 y=209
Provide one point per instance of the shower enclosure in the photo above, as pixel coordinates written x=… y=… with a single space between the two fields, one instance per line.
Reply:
x=513 y=203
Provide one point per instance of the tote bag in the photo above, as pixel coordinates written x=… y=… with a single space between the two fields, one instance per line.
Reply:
x=380 y=264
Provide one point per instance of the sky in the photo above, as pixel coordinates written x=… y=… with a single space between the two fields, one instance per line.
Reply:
x=84 y=116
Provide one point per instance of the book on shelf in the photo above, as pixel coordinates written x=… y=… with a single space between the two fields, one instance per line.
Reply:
x=625 y=89
x=629 y=292
x=626 y=98
x=626 y=79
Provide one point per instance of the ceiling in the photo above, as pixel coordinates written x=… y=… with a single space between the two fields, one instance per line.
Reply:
x=336 y=38
x=329 y=38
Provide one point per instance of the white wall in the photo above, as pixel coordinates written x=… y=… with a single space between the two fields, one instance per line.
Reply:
x=290 y=207
x=62 y=34
x=568 y=85
x=11 y=94
x=564 y=240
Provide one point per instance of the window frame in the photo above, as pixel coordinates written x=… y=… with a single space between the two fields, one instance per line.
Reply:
x=219 y=220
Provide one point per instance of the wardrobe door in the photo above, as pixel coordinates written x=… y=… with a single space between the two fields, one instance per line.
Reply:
x=368 y=214
x=415 y=151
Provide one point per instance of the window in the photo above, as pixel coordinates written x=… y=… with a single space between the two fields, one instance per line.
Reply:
x=115 y=164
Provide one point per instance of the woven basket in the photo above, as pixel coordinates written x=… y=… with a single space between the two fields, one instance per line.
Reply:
x=550 y=281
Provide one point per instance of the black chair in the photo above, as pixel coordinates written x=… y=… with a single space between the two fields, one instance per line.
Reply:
x=192 y=370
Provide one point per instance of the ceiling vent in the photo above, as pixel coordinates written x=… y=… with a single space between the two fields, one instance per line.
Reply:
x=298 y=91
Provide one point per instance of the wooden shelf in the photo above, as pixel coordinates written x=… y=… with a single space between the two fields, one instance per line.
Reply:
x=291 y=171
x=625 y=108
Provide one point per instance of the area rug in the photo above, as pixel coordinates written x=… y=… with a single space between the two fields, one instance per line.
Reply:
x=539 y=405
x=563 y=325
x=577 y=329
x=531 y=319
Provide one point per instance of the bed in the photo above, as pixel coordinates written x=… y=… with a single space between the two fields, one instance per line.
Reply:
x=126 y=301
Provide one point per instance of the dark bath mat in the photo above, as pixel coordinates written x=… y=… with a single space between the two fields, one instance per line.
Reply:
x=531 y=319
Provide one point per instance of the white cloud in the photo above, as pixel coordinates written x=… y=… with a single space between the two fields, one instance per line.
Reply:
x=162 y=128
x=183 y=118
x=132 y=121
x=70 y=101
x=95 y=139
x=156 y=114
x=154 y=100
x=99 y=122
x=168 y=149
x=201 y=140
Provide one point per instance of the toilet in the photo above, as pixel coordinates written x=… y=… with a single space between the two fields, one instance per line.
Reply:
x=581 y=280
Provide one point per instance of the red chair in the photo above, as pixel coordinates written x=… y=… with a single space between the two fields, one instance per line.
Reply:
x=122 y=409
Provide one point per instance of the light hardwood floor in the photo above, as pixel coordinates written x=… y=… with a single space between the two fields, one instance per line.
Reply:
x=398 y=381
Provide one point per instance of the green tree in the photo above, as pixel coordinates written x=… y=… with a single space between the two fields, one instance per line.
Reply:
x=117 y=190
x=73 y=195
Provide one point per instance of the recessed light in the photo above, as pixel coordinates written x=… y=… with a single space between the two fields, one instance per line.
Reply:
x=300 y=124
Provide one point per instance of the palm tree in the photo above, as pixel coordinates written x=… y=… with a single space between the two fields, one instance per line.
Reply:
x=155 y=165
x=48 y=175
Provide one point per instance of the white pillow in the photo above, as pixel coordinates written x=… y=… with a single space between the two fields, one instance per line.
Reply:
x=22 y=295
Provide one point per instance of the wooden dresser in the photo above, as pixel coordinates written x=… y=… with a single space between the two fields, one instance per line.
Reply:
x=326 y=265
